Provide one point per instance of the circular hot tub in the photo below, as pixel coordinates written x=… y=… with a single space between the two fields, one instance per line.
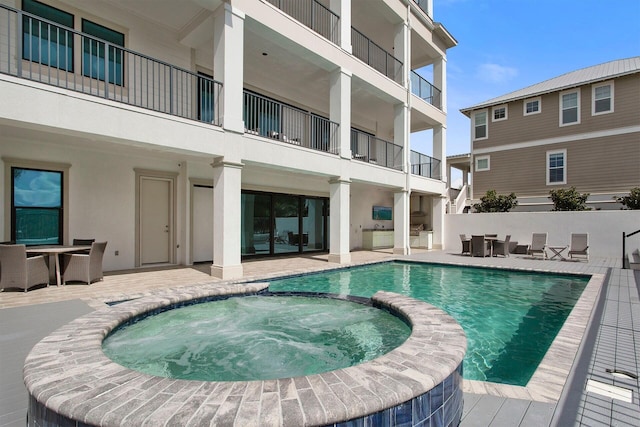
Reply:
x=71 y=381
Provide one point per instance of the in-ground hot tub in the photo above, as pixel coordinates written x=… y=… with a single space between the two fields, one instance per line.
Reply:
x=71 y=382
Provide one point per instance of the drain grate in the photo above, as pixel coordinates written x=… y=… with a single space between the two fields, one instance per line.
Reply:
x=609 y=390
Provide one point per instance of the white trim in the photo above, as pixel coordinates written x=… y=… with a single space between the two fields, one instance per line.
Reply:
x=561 y=110
x=559 y=139
x=498 y=107
x=524 y=106
x=564 y=166
x=475 y=163
x=593 y=98
x=486 y=125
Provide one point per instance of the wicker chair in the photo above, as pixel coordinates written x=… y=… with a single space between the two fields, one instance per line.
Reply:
x=501 y=247
x=479 y=246
x=84 y=267
x=466 y=244
x=18 y=271
x=83 y=242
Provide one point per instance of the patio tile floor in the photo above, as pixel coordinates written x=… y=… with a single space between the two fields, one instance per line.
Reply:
x=612 y=342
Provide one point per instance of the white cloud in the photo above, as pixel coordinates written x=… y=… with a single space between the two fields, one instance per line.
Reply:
x=494 y=73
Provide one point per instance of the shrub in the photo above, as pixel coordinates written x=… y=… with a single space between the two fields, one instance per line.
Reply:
x=632 y=201
x=492 y=202
x=569 y=200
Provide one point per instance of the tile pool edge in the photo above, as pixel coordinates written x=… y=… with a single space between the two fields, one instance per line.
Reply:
x=69 y=377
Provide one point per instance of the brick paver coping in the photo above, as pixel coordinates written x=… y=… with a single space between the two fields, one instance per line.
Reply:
x=68 y=377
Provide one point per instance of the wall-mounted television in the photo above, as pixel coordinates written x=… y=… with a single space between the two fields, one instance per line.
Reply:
x=384 y=213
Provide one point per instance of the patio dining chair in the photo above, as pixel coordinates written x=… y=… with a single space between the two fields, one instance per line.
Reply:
x=579 y=246
x=466 y=244
x=84 y=267
x=480 y=246
x=538 y=244
x=501 y=247
x=19 y=271
x=83 y=242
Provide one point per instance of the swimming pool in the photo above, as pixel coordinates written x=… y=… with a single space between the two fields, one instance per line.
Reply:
x=510 y=317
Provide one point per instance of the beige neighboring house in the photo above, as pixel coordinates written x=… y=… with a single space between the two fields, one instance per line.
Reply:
x=580 y=129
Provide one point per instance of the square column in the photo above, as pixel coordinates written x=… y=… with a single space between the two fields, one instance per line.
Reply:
x=440 y=80
x=228 y=61
x=227 y=204
x=440 y=150
x=343 y=8
x=339 y=220
x=340 y=108
x=401 y=223
x=401 y=134
x=438 y=210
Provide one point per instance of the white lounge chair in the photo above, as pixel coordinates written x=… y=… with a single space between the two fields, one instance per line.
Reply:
x=538 y=243
x=579 y=245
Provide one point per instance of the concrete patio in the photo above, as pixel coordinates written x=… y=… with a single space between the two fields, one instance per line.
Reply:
x=611 y=341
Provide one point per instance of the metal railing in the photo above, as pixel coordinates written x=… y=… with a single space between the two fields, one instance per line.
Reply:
x=425 y=90
x=367 y=148
x=625 y=261
x=36 y=49
x=314 y=15
x=272 y=119
x=423 y=4
x=375 y=56
x=424 y=165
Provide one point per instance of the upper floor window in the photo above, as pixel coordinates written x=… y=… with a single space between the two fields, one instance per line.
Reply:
x=45 y=43
x=480 y=125
x=96 y=62
x=556 y=167
x=499 y=113
x=569 y=108
x=532 y=106
x=482 y=163
x=602 y=98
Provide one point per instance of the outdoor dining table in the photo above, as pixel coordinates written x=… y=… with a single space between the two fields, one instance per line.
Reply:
x=53 y=251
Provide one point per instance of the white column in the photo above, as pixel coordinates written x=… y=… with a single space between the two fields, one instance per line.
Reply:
x=340 y=108
x=438 y=217
x=228 y=60
x=440 y=80
x=401 y=222
x=339 y=220
x=343 y=9
x=440 y=149
x=227 y=203
x=401 y=50
x=401 y=133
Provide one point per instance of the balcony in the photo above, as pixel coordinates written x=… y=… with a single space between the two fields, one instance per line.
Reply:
x=39 y=50
x=425 y=90
x=375 y=56
x=425 y=166
x=314 y=15
x=367 y=148
x=272 y=119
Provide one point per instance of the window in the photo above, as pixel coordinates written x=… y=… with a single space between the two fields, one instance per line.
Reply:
x=556 y=167
x=482 y=163
x=532 y=106
x=602 y=99
x=480 y=125
x=45 y=43
x=499 y=113
x=96 y=62
x=36 y=206
x=569 y=108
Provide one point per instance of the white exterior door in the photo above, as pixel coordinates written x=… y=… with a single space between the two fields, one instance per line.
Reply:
x=155 y=220
x=202 y=223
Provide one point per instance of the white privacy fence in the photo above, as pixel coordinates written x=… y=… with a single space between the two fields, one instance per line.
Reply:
x=605 y=228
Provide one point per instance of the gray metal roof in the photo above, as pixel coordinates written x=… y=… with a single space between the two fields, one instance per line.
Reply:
x=580 y=77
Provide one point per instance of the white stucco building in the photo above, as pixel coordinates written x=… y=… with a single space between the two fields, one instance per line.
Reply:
x=213 y=131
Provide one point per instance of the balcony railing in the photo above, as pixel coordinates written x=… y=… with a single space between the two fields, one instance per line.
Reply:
x=271 y=119
x=36 y=49
x=314 y=15
x=423 y=4
x=425 y=90
x=368 y=148
x=375 y=56
x=424 y=165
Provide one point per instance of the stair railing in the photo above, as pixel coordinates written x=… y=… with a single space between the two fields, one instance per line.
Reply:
x=624 y=247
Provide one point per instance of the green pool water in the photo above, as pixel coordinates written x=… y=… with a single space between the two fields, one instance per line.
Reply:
x=256 y=338
x=510 y=318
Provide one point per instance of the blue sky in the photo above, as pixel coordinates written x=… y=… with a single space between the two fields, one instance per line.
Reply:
x=505 y=45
